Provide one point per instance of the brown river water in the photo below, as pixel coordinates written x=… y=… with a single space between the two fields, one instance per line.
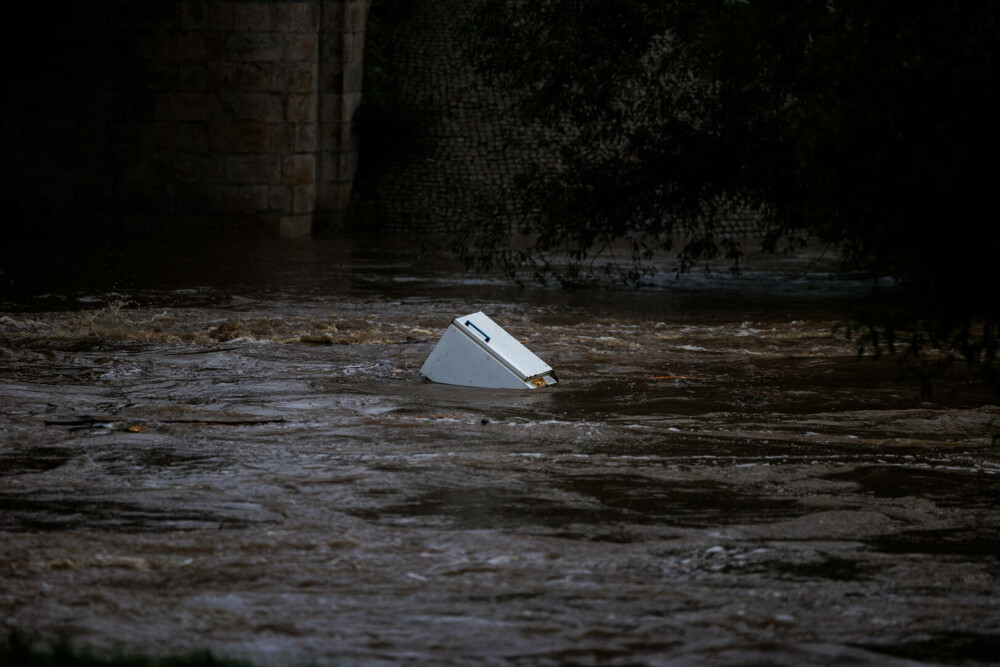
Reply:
x=232 y=448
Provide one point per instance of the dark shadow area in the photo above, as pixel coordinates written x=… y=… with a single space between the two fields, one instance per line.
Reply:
x=17 y=650
x=31 y=512
x=36 y=459
x=958 y=648
x=607 y=500
x=943 y=487
x=981 y=542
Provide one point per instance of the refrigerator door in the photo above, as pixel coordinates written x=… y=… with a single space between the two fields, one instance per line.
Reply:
x=476 y=352
x=509 y=350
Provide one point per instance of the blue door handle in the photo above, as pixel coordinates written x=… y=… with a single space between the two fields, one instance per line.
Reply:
x=469 y=323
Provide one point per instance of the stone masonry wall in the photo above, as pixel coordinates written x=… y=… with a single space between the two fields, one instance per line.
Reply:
x=465 y=143
x=169 y=116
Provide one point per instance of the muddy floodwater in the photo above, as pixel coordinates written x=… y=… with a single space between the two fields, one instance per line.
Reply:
x=232 y=448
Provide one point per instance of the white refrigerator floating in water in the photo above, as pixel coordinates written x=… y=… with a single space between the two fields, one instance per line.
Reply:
x=476 y=352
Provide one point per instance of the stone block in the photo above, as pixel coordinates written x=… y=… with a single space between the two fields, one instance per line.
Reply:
x=252 y=16
x=247 y=169
x=300 y=108
x=333 y=18
x=303 y=199
x=355 y=16
x=290 y=77
x=305 y=138
x=186 y=106
x=255 y=47
x=305 y=78
x=299 y=169
x=336 y=137
x=300 y=47
x=353 y=45
x=331 y=48
x=282 y=139
x=239 y=137
x=348 y=106
x=220 y=15
x=295 y=16
x=331 y=79
x=330 y=107
x=353 y=77
x=279 y=198
x=351 y=166
x=328 y=168
x=238 y=77
x=259 y=107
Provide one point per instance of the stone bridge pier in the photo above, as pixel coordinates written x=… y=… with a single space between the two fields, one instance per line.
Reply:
x=209 y=117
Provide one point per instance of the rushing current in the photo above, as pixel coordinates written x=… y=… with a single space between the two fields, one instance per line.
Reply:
x=231 y=448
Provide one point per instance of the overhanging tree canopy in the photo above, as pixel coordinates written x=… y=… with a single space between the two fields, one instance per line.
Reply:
x=871 y=125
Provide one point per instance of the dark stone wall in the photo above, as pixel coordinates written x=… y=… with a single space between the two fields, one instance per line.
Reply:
x=214 y=117
x=459 y=140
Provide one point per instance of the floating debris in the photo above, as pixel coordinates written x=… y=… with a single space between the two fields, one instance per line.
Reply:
x=476 y=352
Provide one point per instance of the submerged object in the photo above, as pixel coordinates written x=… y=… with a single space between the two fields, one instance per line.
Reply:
x=475 y=351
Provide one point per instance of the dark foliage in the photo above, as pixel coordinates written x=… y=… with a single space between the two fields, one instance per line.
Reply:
x=868 y=125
